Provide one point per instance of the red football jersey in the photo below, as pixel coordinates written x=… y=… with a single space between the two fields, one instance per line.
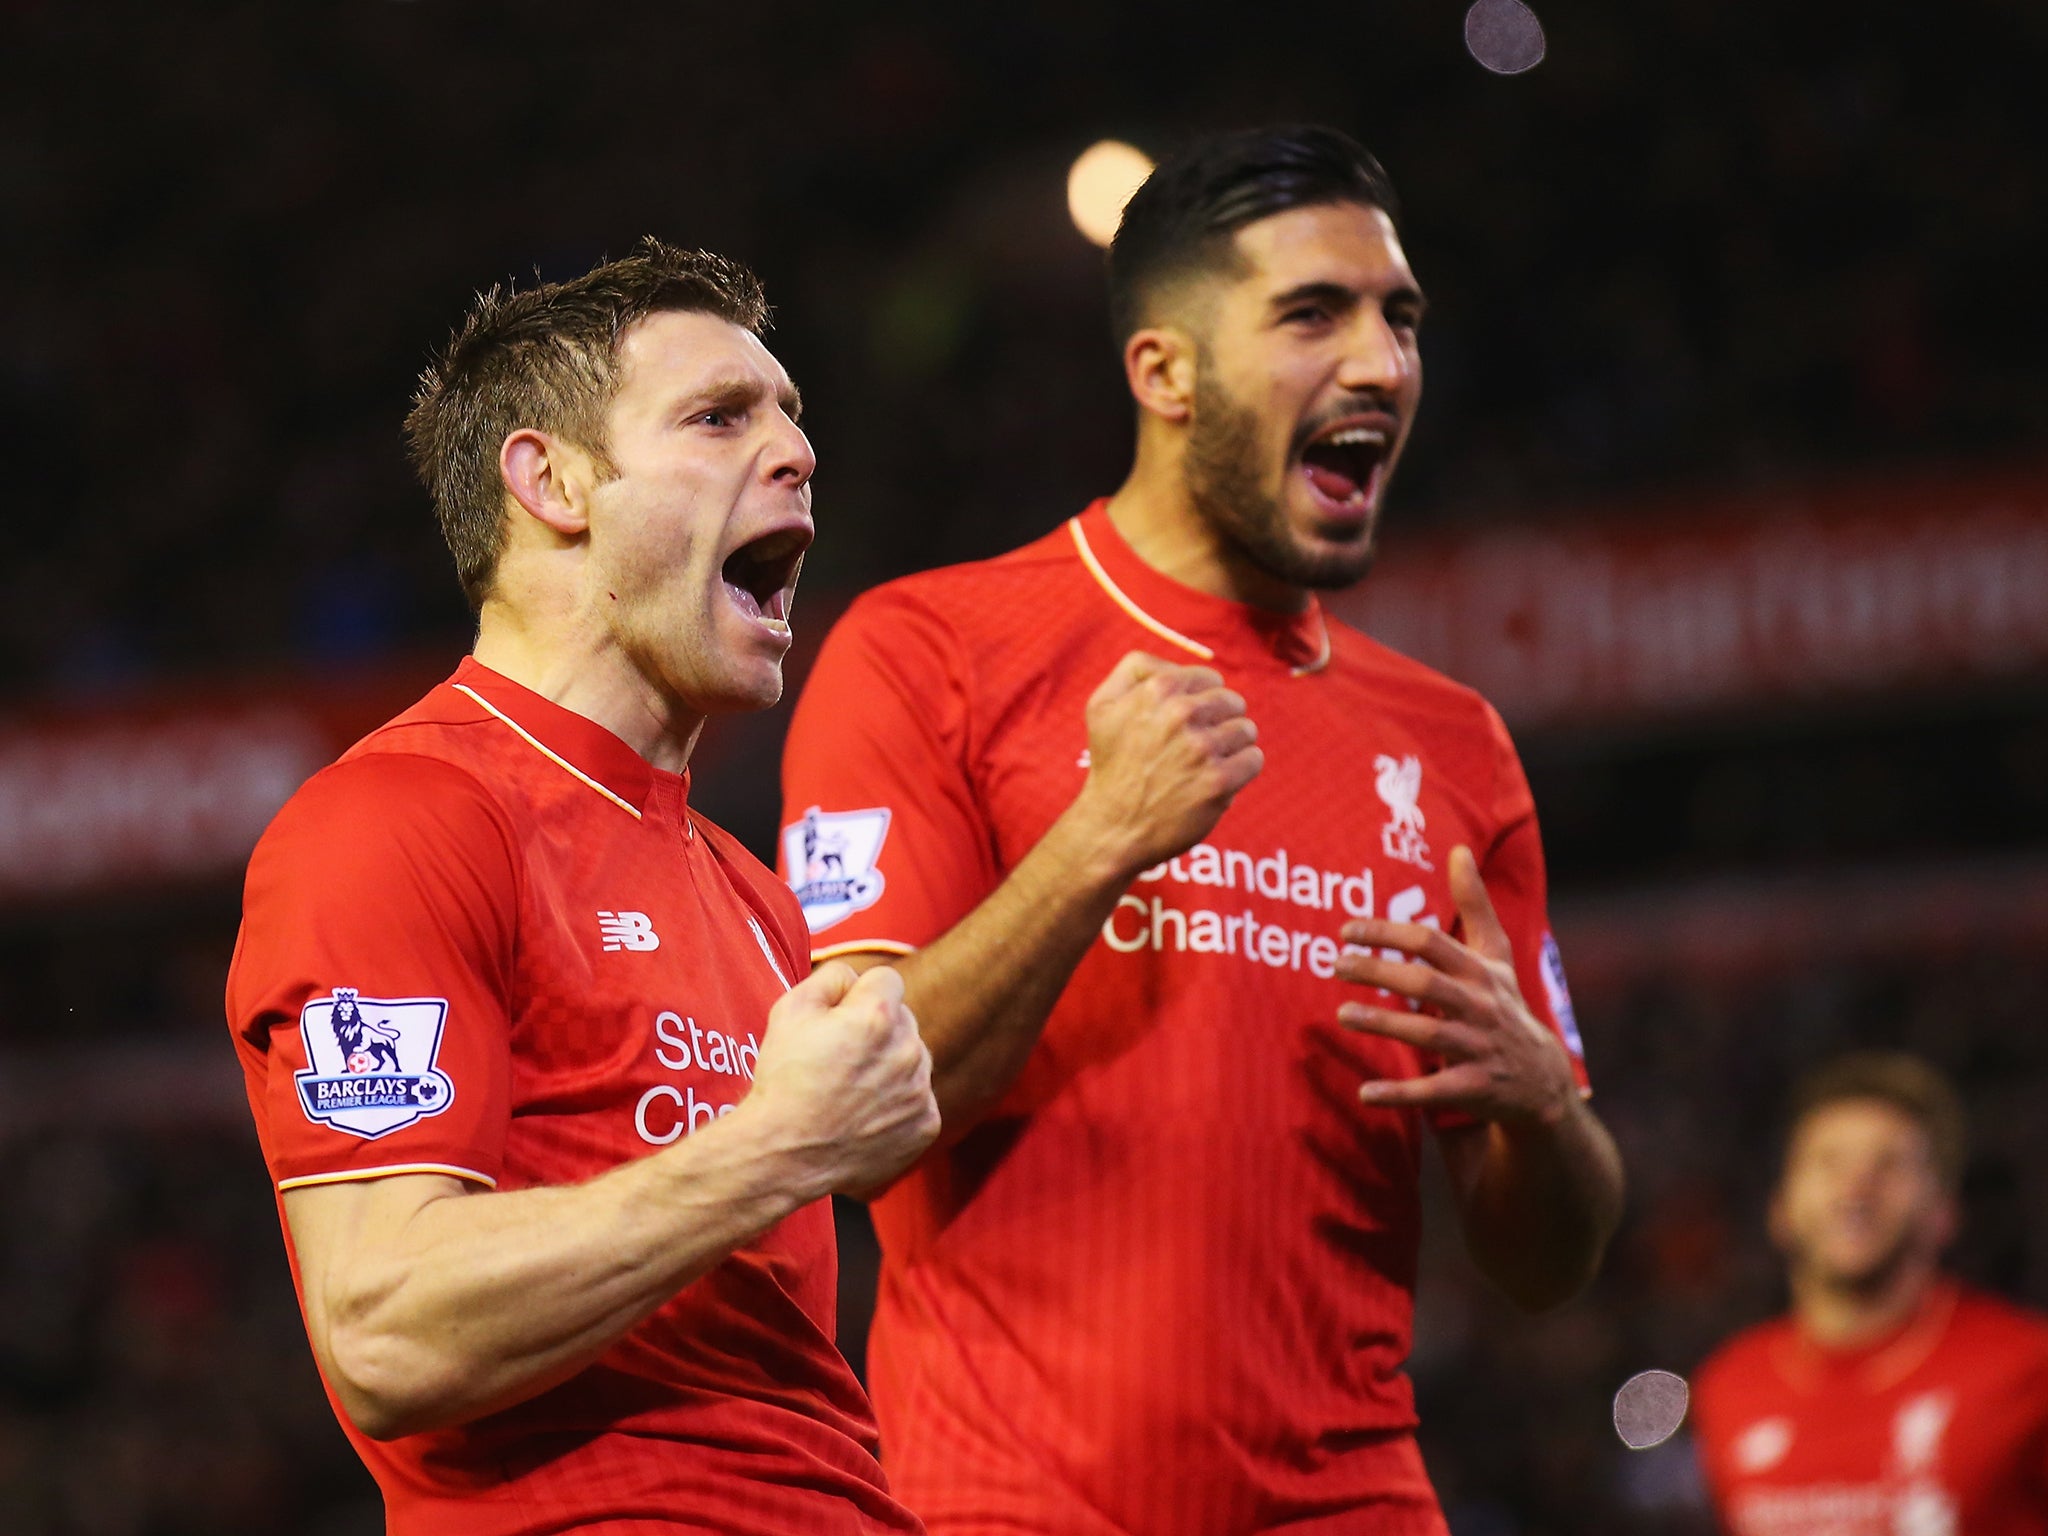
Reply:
x=1940 y=1429
x=493 y=941
x=1167 y=1286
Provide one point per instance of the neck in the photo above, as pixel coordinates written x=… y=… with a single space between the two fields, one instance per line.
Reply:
x=1842 y=1316
x=587 y=673
x=1154 y=514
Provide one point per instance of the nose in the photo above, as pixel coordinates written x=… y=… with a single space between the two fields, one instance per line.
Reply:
x=790 y=460
x=1378 y=357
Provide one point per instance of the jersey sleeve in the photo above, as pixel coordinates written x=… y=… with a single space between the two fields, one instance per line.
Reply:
x=884 y=840
x=369 y=995
x=1515 y=881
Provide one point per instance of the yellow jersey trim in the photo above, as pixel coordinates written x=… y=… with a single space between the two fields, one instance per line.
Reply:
x=390 y=1170
x=552 y=756
x=855 y=946
x=1119 y=597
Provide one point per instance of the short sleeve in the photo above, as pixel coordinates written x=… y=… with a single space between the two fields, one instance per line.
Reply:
x=369 y=995
x=883 y=838
x=1512 y=868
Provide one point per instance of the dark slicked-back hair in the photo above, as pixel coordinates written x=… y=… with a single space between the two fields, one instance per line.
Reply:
x=1180 y=223
x=1904 y=1082
x=547 y=358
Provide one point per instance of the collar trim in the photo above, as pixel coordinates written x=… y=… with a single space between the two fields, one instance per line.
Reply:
x=1322 y=658
x=549 y=753
x=1118 y=596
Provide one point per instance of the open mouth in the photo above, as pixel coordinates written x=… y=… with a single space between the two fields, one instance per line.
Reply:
x=760 y=575
x=1345 y=466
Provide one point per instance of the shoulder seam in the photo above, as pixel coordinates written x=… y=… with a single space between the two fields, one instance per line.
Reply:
x=499 y=819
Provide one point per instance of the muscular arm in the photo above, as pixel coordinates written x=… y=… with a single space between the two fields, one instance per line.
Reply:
x=1538 y=1179
x=430 y=1302
x=1169 y=748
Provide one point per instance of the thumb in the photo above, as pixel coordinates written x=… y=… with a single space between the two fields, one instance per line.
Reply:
x=824 y=988
x=881 y=984
x=1483 y=932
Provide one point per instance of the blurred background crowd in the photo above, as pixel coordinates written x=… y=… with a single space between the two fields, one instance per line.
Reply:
x=1714 y=275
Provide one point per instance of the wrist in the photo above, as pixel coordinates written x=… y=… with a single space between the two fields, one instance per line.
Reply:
x=770 y=1158
x=1096 y=842
x=1550 y=1118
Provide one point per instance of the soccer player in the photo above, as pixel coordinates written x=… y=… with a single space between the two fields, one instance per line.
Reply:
x=1192 y=988
x=550 y=1127
x=1892 y=1401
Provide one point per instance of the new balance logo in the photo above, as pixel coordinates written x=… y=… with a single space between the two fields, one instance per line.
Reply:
x=626 y=930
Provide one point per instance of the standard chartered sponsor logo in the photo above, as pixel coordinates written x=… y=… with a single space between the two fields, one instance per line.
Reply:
x=1152 y=921
x=667 y=1111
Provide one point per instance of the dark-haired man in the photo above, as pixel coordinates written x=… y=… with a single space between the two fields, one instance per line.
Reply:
x=563 y=1249
x=1892 y=1401
x=1160 y=1279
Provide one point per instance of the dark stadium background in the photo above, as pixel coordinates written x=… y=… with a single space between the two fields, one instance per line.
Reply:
x=1737 y=341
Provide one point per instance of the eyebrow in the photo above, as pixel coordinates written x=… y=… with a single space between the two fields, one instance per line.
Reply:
x=1340 y=297
x=741 y=389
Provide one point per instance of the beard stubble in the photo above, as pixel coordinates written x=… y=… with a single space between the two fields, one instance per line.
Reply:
x=1220 y=468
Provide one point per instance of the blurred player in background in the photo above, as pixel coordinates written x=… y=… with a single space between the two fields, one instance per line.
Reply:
x=1892 y=1401
x=551 y=1130
x=1160 y=1278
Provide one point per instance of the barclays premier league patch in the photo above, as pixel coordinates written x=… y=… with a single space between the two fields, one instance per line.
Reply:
x=1560 y=997
x=830 y=856
x=371 y=1062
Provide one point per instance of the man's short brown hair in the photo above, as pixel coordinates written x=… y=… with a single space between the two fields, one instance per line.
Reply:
x=1907 y=1083
x=547 y=358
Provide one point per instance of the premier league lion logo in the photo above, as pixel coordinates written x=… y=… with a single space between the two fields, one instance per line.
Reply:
x=364 y=1046
x=370 y=1062
x=831 y=857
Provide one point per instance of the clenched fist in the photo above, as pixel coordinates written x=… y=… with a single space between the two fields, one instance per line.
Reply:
x=848 y=1079
x=1169 y=747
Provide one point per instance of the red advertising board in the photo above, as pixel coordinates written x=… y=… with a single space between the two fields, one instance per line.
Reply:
x=173 y=786
x=1856 y=588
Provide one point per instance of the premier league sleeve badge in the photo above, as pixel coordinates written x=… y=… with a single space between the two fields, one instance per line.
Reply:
x=370 y=1062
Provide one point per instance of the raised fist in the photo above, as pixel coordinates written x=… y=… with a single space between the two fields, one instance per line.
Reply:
x=847 y=1077
x=1169 y=747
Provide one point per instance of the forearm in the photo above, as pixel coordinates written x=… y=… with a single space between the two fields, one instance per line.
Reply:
x=982 y=992
x=442 y=1310
x=1538 y=1202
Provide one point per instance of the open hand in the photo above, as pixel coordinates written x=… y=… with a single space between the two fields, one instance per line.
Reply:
x=1499 y=1062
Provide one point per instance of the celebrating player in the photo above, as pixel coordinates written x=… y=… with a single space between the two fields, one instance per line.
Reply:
x=1892 y=1401
x=1191 y=986
x=562 y=1249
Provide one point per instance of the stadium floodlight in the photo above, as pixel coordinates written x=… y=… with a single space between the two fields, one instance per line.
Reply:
x=1102 y=180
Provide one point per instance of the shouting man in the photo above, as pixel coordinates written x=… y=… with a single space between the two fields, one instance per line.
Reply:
x=566 y=1259
x=1206 y=906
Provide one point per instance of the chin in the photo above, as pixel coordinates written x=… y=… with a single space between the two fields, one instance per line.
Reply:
x=1327 y=565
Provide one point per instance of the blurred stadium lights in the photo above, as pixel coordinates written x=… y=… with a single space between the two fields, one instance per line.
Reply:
x=1505 y=36
x=1104 y=176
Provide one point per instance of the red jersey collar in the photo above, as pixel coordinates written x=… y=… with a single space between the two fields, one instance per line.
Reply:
x=1195 y=625
x=1876 y=1364
x=578 y=745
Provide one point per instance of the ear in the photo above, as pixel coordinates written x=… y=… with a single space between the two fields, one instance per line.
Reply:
x=1159 y=366
x=542 y=473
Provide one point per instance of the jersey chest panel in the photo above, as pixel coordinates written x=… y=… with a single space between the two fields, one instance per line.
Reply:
x=641 y=995
x=1201 y=984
